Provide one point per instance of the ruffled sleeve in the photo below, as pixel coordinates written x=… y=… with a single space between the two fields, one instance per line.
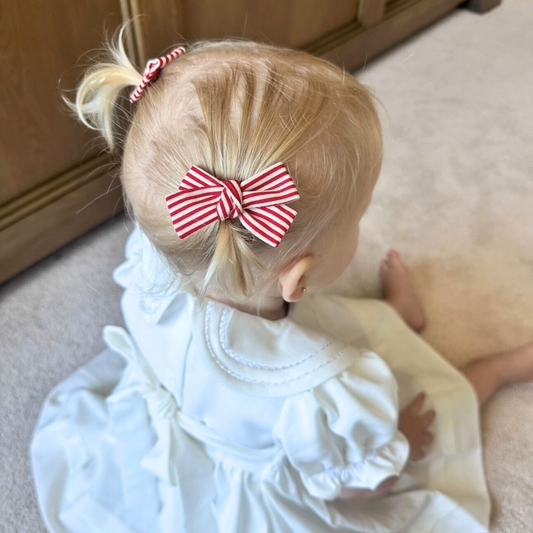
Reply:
x=143 y=266
x=148 y=280
x=343 y=433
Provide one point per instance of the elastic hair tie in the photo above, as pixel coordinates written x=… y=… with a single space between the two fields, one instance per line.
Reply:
x=153 y=69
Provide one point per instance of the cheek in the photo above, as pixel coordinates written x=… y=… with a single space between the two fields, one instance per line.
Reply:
x=338 y=260
x=347 y=251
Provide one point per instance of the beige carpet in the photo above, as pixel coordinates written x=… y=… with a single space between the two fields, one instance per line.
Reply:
x=455 y=197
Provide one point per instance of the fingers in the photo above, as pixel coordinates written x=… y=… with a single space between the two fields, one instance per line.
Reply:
x=427 y=418
x=416 y=404
x=417 y=455
x=427 y=438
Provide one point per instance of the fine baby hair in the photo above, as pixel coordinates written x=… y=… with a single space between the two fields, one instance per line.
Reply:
x=234 y=108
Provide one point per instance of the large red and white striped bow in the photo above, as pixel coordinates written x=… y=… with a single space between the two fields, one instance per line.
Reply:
x=153 y=69
x=258 y=202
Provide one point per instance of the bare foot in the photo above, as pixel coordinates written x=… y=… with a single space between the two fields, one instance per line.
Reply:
x=488 y=373
x=513 y=366
x=399 y=292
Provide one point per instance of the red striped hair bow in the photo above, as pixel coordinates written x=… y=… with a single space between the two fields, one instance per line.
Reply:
x=258 y=202
x=153 y=69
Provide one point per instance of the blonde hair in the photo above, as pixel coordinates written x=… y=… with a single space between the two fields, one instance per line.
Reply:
x=234 y=107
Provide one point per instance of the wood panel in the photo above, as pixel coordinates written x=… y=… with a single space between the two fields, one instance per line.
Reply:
x=154 y=33
x=33 y=237
x=371 y=12
x=41 y=42
x=351 y=46
x=481 y=6
x=293 y=23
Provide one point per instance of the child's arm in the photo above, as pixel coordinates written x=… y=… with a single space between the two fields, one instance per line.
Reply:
x=344 y=434
x=414 y=426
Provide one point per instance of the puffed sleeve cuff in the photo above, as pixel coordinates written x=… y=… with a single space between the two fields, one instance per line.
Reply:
x=344 y=432
x=369 y=473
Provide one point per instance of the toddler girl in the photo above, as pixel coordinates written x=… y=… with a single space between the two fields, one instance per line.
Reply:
x=241 y=399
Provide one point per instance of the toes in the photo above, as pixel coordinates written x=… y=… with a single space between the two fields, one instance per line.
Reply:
x=393 y=258
x=396 y=259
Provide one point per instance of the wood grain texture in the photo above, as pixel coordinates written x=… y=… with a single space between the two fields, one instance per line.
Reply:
x=40 y=44
x=353 y=46
x=156 y=33
x=293 y=23
x=371 y=12
x=49 y=192
x=55 y=224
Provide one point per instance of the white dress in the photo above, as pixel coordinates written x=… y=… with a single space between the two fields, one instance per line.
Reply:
x=211 y=420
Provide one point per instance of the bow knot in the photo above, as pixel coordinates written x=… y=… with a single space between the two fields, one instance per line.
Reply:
x=258 y=202
x=161 y=402
x=153 y=69
x=230 y=202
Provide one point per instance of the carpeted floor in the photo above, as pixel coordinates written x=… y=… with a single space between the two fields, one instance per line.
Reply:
x=455 y=197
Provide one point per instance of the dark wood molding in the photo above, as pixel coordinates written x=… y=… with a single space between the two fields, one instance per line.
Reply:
x=53 y=189
x=43 y=224
x=370 y=12
x=160 y=26
x=351 y=46
x=481 y=6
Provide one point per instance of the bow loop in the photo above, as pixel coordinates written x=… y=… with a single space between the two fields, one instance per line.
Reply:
x=152 y=67
x=258 y=202
x=161 y=402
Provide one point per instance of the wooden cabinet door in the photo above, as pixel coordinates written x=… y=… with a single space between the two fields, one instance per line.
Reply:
x=346 y=32
x=53 y=181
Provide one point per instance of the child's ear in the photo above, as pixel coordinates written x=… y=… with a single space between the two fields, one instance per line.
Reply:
x=292 y=280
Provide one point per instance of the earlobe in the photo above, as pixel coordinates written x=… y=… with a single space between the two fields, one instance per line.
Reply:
x=293 y=280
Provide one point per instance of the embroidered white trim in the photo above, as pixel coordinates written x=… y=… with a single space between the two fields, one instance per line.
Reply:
x=223 y=337
x=250 y=380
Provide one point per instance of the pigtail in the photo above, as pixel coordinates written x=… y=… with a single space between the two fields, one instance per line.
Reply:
x=233 y=264
x=98 y=92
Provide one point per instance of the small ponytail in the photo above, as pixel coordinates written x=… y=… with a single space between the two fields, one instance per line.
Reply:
x=98 y=92
x=233 y=261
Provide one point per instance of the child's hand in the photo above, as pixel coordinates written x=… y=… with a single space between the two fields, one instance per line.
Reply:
x=414 y=426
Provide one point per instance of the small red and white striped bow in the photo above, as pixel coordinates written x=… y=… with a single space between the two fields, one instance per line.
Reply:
x=153 y=69
x=258 y=202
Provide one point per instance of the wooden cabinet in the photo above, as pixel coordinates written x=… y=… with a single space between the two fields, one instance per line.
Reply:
x=50 y=168
x=55 y=182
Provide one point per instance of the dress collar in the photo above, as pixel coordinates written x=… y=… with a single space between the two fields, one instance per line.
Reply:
x=275 y=358
x=316 y=340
